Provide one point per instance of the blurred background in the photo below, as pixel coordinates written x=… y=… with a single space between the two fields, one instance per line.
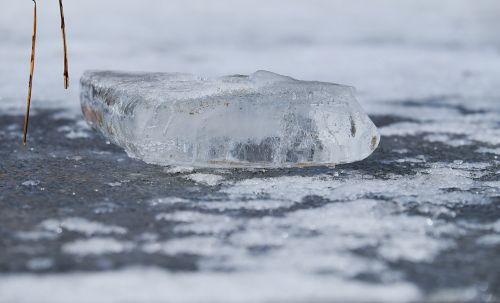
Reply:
x=388 y=49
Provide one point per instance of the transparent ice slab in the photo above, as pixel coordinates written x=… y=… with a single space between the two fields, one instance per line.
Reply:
x=260 y=120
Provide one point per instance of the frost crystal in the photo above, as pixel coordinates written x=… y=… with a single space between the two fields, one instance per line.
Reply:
x=261 y=120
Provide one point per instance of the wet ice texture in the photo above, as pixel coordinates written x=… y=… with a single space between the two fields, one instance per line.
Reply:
x=261 y=120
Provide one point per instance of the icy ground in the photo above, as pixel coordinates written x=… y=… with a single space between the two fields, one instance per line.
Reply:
x=418 y=220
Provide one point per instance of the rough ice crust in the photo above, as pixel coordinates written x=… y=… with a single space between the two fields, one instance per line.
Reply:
x=261 y=120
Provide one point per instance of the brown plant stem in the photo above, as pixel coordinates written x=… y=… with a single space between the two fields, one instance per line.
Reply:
x=32 y=69
x=63 y=30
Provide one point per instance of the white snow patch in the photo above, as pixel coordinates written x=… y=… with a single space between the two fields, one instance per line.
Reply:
x=282 y=188
x=496 y=226
x=400 y=151
x=114 y=184
x=443 y=138
x=489 y=240
x=183 y=216
x=37 y=264
x=36 y=235
x=482 y=130
x=96 y=246
x=427 y=184
x=78 y=131
x=77 y=134
x=74 y=158
x=199 y=223
x=81 y=225
x=492 y=227
x=205 y=179
x=489 y=150
x=493 y=184
x=178 y=170
x=167 y=201
x=31 y=183
x=245 y=204
x=419 y=249
x=411 y=160
x=363 y=223
x=205 y=246
x=463 y=294
x=152 y=284
x=329 y=233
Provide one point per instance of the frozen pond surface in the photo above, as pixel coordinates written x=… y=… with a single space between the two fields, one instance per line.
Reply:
x=418 y=220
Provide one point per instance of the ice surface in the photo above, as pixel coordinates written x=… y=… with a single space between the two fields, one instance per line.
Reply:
x=295 y=236
x=261 y=120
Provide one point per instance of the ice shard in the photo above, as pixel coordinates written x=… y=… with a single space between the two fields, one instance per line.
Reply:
x=260 y=120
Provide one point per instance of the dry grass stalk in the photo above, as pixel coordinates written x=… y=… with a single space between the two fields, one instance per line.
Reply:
x=32 y=65
x=32 y=69
x=63 y=31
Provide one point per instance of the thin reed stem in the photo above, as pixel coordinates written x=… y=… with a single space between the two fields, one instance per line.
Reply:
x=32 y=69
x=63 y=30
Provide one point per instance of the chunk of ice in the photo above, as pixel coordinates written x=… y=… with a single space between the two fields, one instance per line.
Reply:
x=261 y=120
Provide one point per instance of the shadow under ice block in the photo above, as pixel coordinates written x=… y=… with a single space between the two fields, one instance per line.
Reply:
x=260 y=120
